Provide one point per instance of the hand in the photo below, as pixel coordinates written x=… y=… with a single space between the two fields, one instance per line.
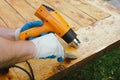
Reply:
x=28 y=25
x=46 y=46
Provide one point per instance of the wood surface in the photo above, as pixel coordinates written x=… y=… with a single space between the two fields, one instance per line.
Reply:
x=96 y=23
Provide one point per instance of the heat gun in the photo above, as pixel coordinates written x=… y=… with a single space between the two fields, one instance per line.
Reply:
x=52 y=22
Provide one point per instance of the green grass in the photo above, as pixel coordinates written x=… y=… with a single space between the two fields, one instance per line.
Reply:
x=106 y=67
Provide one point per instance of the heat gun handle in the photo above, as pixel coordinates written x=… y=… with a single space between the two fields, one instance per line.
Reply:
x=33 y=32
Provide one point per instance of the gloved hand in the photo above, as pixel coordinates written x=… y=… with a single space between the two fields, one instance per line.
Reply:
x=47 y=46
x=28 y=25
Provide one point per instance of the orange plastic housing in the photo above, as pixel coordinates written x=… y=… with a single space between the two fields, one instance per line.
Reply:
x=52 y=22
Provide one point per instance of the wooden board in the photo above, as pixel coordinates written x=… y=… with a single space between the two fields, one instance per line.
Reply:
x=2 y=23
x=10 y=16
x=36 y=4
x=98 y=32
x=70 y=11
x=90 y=10
x=23 y=9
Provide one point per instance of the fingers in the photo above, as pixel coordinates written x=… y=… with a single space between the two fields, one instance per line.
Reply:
x=60 y=52
x=30 y=25
x=60 y=55
x=48 y=46
x=60 y=59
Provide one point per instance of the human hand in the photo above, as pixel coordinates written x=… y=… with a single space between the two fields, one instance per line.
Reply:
x=27 y=26
x=47 y=46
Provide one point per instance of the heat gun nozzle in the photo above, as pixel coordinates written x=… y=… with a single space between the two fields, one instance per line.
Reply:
x=75 y=43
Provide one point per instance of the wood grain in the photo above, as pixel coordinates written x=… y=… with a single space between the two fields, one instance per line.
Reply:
x=23 y=9
x=96 y=37
x=89 y=9
x=11 y=17
x=73 y=13
x=35 y=4
x=3 y=23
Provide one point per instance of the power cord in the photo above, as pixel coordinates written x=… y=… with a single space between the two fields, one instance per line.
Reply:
x=31 y=76
x=31 y=70
x=24 y=71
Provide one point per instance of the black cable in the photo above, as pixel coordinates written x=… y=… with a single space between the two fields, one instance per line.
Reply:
x=6 y=69
x=24 y=70
x=31 y=70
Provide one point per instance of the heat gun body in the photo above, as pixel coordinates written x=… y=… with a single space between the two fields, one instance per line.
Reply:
x=52 y=22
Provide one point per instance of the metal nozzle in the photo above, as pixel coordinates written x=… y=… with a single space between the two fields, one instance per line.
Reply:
x=75 y=43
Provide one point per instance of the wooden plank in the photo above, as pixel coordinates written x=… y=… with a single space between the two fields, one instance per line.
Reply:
x=10 y=16
x=89 y=9
x=106 y=7
x=94 y=40
x=23 y=9
x=35 y=4
x=2 y=4
x=73 y=13
x=40 y=63
x=10 y=76
x=49 y=69
x=2 y=23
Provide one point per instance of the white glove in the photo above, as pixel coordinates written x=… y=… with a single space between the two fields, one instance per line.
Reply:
x=48 y=46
